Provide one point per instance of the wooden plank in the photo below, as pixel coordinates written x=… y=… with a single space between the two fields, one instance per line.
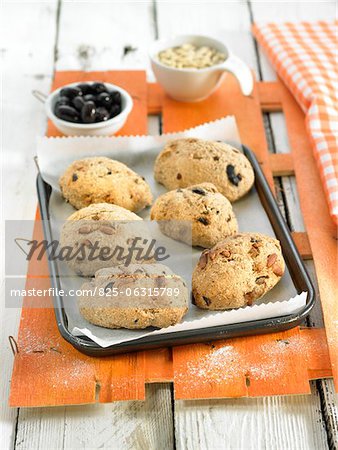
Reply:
x=158 y=366
x=155 y=98
x=124 y=425
x=269 y=96
x=303 y=244
x=330 y=410
x=281 y=164
x=242 y=367
x=27 y=50
x=126 y=30
x=224 y=368
x=250 y=423
x=313 y=341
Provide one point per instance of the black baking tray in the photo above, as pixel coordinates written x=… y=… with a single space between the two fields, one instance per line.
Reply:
x=293 y=260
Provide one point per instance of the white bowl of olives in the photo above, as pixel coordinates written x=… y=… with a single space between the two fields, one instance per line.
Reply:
x=89 y=108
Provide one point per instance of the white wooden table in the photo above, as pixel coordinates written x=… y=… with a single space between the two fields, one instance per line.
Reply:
x=39 y=37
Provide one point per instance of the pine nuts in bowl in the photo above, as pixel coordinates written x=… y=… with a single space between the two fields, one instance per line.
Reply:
x=189 y=56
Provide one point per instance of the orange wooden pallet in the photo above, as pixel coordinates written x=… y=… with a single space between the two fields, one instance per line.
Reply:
x=49 y=371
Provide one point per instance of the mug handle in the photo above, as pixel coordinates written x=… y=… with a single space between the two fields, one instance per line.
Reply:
x=241 y=71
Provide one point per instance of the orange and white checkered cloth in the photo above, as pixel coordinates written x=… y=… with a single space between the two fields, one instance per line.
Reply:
x=305 y=56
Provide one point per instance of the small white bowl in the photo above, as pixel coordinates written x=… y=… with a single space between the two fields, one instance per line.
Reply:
x=104 y=128
x=192 y=85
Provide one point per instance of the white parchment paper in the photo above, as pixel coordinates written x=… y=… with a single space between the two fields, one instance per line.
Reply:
x=139 y=153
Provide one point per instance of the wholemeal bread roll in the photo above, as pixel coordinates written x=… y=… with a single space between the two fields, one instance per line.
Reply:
x=198 y=215
x=103 y=180
x=134 y=297
x=185 y=162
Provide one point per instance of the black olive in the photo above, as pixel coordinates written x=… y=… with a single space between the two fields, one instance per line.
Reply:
x=199 y=191
x=85 y=88
x=101 y=114
x=67 y=113
x=97 y=88
x=116 y=96
x=88 y=112
x=78 y=102
x=115 y=110
x=193 y=301
x=203 y=220
x=62 y=101
x=207 y=300
x=89 y=98
x=70 y=92
x=109 y=287
x=104 y=99
x=232 y=176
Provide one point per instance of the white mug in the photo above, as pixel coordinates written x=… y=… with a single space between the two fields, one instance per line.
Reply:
x=192 y=85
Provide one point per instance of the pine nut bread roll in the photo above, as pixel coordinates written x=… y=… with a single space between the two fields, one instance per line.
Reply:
x=237 y=271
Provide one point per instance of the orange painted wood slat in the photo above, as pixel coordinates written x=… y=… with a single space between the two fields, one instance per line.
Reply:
x=282 y=164
x=159 y=365
x=303 y=244
x=314 y=343
x=270 y=98
x=155 y=98
x=320 y=228
x=274 y=364
x=268 y=92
